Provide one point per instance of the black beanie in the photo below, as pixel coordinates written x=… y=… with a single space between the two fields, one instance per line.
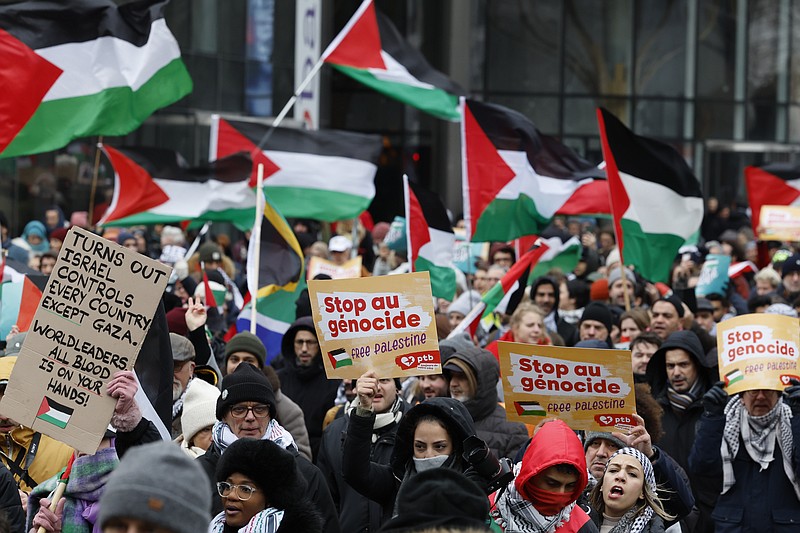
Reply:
x=599 y=312
x=246 y=342
x=675 y=302
x=436 y=498
x=246 y=384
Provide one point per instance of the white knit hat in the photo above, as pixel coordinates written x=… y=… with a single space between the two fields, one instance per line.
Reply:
x=199 y=408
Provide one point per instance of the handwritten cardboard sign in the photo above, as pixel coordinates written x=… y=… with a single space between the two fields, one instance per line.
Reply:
x=350 y=269
x=588 y=389
x=758 y=351
x=92 y=319
x=780 y=223
x=386 y=324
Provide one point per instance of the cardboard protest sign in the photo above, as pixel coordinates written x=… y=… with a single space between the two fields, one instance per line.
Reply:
x=386 y=324
x=93 y=317
x=588 y=389
x=758 y=351
x=351 y=269
x=714 y=275
x=780 y=223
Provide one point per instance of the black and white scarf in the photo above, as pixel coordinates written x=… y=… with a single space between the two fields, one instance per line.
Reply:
x=223 y=437
x=637 y=518
x=682 y=400
x=759 y=434
x=515 y=514
x=392 y=416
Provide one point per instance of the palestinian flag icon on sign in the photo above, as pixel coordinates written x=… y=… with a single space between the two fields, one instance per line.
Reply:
x=530 y=409
x=54 y=412
x=339 y=358
x=733 y=376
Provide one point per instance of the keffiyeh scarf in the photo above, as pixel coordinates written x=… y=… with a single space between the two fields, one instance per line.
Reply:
x=267 y=521
x=223 y=437
x=681 y=400
x=637 y=518
x=517 y=515
x=759 y=434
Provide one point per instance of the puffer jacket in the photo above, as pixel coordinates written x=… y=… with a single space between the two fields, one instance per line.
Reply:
x=504 y=438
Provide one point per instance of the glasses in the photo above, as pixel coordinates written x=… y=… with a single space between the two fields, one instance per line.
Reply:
x=302 y=342
x=259 y=411
x=756 y=392
x=243 y=492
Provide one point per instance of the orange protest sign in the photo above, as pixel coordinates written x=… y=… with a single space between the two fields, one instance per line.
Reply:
x=758 y=351
x=350 y=269
x=780 y=223
x=385 y=324
x=587 y=388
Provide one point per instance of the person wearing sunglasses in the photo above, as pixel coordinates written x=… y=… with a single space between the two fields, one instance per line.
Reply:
x=262 y=491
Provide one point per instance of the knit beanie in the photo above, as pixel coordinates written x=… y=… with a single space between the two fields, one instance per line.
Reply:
x=246 y=342
x=159 y=484
x=615 y=275
x=792 y=264
x=245 y=384
x=199 y=407
x=599 y=312
x=675 y=302
x=592 y=436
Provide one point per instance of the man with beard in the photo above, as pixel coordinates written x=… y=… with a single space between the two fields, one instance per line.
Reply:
x=183 y=364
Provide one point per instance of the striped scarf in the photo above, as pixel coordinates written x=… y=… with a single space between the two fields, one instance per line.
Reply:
x=680 y=401
x=515 y=514
x=637 y=518
x=759 y=434
x=267 y=521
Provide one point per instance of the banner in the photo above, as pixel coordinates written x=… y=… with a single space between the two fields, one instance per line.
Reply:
x=385 y=324
x=351 y=269
x=570 y=384
x=92 y=319
x=758 y=351
x=714 y=275
x=780 y=223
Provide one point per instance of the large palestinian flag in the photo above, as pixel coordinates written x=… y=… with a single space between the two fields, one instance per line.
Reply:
x=153 y=186
x=773 y=184
x=83 y=67
x=430 y=239
x=370 y=50
x=656 y=200
x=515 y=178
x=324 y=174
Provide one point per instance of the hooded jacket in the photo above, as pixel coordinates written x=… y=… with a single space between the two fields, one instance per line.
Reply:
x=504 y=438
x=307 y=386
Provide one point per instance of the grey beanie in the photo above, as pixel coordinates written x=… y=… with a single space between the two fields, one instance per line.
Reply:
x=592 y=436
x=464 y=303
x=615 y=275
x=158 y=483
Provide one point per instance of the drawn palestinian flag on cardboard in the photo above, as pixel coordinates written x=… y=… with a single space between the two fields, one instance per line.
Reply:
x=733 y=376
x=339 y=358
x=530 y=409
x=55 y=413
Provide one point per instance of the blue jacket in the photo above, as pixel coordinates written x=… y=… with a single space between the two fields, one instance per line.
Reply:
x=759 y=501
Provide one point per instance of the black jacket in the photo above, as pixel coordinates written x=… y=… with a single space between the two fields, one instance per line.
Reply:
x=565 y=330
x=10 y=504
x=318 y=492
x=308 y=387
x=504 y=438
x=356 y=513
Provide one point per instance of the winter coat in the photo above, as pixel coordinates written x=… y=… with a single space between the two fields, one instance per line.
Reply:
x=356 y=513
x=504 y=438
x=308 y=386
x=317 y=488
x=680 y=427
x=758 y=501
x=291 y=417
x=10 y=504
x=565 y=330
x=50 y=457
x=381 y=482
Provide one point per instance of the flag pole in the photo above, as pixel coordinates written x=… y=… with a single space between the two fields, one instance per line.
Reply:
x=624 y=280
x=95 y=172
x=256 y=241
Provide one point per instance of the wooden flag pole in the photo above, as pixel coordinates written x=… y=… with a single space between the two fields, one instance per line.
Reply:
x=624 y=280
x=255 y=240
x=95 y=172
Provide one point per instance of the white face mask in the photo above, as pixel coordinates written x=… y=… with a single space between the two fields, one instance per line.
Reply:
x=421 y=465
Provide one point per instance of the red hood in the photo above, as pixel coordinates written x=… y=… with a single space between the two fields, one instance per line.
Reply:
x=555 y=443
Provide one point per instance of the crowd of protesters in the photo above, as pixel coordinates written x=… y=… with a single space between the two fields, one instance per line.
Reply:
x=265 y=442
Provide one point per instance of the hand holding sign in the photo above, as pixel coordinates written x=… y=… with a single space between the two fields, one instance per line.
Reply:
x=638 y=437
x=366 y=388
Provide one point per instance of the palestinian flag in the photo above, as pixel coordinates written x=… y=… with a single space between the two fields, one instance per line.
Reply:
x=53 y=412
x=656 y=200
x=515 y=178
x=325 y=174
x=561 y=255
x=733 y=376
x=18 y=303
x=154 y=186
x=370 y=50
x=81 y=68
x=529 y=409
x=430 y=239
x=339 y=358
x=774 y=184
x=499 y=297
x=279 y=264
x=274 y=314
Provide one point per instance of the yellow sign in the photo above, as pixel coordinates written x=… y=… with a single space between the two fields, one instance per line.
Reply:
x=386 y=324
x=758 y=351
x=350 y=269
x=780 y=223
x=587 y=388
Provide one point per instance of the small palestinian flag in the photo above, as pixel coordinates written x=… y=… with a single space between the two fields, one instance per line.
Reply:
x=530 y=409
x=339 y=358
x=53 y=412
x=733 y=377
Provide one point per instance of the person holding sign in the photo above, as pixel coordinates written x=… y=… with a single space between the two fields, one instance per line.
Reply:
x=752 y=440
